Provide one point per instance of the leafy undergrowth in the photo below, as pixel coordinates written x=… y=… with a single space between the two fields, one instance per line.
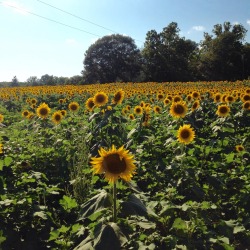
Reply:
x=193 y=196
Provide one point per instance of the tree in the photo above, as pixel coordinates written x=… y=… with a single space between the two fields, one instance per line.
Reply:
x=112 y=58
x=14 y=82
x=47 y=80
x=33 y=81
x=222 y=54
x=167 y=55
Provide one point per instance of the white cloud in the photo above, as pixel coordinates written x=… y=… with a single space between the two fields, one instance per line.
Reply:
x=198 y=28
x=248 y=21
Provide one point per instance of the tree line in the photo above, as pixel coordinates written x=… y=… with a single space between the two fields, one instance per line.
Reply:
x=165 y=56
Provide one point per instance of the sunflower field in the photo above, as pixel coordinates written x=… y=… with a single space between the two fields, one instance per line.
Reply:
x=125 y=166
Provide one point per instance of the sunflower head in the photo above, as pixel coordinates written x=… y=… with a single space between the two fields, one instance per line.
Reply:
x=178 y=109
x=100 y=99
x=239 y=148
x=74 y=106
x=157 y=109
x=25 y=113
x=138 y=110
x=63 y=112
x=43 y=110
x=118 y=97
x=246 y=105
x=223 y=110
x=90 y=104
x=114 y=164
x=185 y=134
x=195 y=105
x=57 y=117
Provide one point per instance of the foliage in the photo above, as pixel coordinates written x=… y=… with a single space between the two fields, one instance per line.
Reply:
x=193 y=196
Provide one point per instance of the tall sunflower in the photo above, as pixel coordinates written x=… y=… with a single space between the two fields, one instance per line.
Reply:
x=138 y=110
x=100 y=99
x=223 y=110
x=185 y=134
x=57 y=117
x=114 y=164
x=178 y=109
x=74 y=106
x=43 y=110
x=118 y=97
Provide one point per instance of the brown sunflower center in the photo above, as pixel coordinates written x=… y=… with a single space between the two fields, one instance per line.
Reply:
x=113 y=164
x=247 y=105
x=179 y=109
x=223 y=110
x=100 y=98
x=185 y=134
x=25 y=113
x=43 y=111
x=73 y=107
x=57 y=117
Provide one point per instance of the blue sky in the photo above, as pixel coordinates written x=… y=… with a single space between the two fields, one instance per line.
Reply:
x=33 y=46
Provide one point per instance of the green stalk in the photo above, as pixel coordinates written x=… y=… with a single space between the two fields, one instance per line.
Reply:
x=114 y=204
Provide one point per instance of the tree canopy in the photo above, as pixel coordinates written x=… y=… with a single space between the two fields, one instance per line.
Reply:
x=112 y=58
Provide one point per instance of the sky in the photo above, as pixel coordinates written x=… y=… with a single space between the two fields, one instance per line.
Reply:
x=52 y=36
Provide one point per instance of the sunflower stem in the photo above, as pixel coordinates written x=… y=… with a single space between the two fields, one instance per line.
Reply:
x=114 y=203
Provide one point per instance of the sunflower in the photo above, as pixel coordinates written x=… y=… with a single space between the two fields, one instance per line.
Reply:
x=246 y=105
x=25 y=113
x=100 y=99
x=186 y=134
x=33 y=101
x=195 y=94
x=1 y=118
x=1 y=148
x=138 y=110
x=157 y=109
x=217 y=97
x=114 y=164
x=245 y=97
x=230 y=99
x=239 y=148
x=118 y=97
x=74 y=106
x=90 y=104
x=166 y=101
x=63 y=112
x=57 y=117
x=43 y=110
x=178 y=109
x=177 y=98
x=195 y=105
x=131 y=116
x=223 y=110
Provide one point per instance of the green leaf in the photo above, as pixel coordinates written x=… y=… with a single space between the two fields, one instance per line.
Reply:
x=95 y=204
x=109 y=237
x=238 y=229
x=179 y=224
x=133 y=206
x=7 y=161
x=40 y=214
x=68 y=203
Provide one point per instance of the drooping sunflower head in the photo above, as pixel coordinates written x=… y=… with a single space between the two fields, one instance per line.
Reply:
x=185 y=134
x=118 y=97
x=223 y=110
x=74 y=106
x=114 y=164
x=90 y=104
x=43 y=110
x=239 y=148
x=178 y=109
x=57 y=117
x=100 y=99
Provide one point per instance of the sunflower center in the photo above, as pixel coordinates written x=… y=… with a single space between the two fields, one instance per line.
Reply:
x=223 y=110
x=100 y=98
x=43 y=111
x=179 y=109
x=113 y=164
x=57 y=117
x=73 y=107
x=185 y=134
x=247 y=105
